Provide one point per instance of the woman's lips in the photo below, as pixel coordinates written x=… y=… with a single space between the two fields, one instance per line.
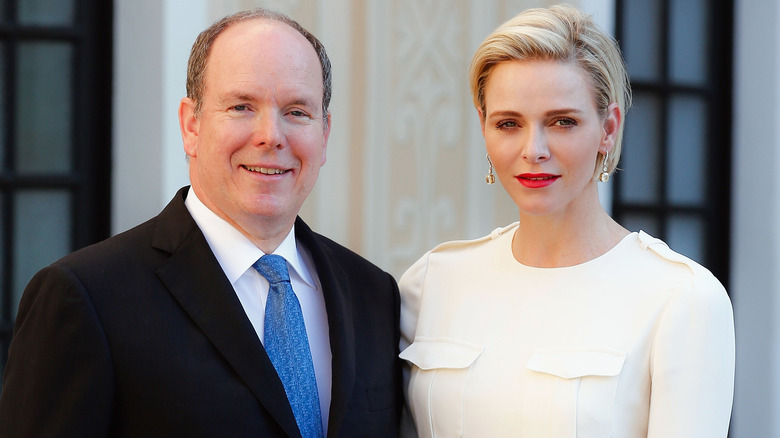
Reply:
x=536 y=180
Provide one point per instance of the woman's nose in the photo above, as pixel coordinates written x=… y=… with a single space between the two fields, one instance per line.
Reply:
x=535 y=146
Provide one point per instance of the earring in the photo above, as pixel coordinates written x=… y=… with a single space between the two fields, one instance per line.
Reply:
x=604 y=175
x=489 y=178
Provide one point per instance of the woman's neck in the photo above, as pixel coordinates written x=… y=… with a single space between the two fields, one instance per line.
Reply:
x=567 y=240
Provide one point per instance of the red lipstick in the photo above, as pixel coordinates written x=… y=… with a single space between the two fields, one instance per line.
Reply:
x=536 y=180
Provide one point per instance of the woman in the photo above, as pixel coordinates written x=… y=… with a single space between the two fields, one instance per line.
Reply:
x=564 y=323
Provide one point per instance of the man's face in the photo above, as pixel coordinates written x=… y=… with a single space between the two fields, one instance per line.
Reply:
x=257 y=146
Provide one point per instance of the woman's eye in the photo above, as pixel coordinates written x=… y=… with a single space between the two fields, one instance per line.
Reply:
x=506 y=124
x=566 y=122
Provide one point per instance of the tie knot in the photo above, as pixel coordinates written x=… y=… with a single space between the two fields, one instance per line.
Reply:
x=273 y=267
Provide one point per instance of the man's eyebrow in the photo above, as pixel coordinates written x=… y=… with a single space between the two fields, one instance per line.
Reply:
x=303 y=102
x=233 y=96
x=240 y=96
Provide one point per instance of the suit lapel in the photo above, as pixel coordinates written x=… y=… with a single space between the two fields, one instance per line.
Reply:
x=338 y=305
x=193 y=276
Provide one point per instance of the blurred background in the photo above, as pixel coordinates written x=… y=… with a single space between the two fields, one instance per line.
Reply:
x=90 y=144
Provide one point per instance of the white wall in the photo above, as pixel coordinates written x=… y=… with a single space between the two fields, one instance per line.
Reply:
x=755 y=267
x=151 y=47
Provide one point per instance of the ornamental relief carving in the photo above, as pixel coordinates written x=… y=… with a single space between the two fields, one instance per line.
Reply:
x=427 y=129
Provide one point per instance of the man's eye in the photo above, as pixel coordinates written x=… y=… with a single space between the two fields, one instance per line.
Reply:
x=298 y=113
x=239 y=108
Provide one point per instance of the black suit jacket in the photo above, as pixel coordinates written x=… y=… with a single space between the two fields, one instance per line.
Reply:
x=142 y=335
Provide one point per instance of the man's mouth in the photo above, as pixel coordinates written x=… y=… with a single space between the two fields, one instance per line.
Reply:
x=265 y=170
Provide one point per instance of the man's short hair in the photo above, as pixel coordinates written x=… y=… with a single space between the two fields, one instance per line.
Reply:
x=201 y=48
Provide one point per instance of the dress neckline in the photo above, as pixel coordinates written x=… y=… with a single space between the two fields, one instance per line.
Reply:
x=508 y=234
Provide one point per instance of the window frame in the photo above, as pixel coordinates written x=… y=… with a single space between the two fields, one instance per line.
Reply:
x=89 y=180
x=716 y=93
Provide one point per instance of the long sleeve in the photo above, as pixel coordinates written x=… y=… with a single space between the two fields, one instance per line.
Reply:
x=58 y=380
x=693 y=363
x=410 y=286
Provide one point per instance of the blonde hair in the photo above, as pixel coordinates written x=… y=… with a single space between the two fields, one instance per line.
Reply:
x=560 y=33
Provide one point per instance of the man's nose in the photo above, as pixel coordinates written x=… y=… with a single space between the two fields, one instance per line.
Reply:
x=268 y=130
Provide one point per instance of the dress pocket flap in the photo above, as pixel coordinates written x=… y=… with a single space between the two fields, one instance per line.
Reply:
x=428 y=354
x=571 y=364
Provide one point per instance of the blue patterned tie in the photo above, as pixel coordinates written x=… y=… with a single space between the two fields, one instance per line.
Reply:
x=288 y=346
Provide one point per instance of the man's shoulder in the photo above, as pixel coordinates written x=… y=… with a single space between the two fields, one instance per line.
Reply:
x=165 y=230
x=334 y=252
x=335 y=249
x=120 y=249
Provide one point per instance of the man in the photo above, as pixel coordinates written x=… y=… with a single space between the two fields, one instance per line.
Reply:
x=164 y=331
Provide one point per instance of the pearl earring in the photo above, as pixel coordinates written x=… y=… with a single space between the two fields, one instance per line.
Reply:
x=604 y=175
x=489 y=178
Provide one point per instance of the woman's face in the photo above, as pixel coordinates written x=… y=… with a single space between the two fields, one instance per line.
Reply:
x=543 y=133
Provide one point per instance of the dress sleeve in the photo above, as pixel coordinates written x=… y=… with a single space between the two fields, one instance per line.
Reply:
x=58 y=379
x=692 y=362
x=411 y=286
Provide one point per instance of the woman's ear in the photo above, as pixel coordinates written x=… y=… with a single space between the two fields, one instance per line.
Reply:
x=481 y=121
x=611 y=126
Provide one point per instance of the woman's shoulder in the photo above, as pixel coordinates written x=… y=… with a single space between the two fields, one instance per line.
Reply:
x=662 y=264
x=470 y=245
x=456 y=256
x=659 y=251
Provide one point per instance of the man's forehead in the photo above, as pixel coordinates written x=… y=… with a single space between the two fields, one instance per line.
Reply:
x=264 y=37
x=263 y=48
x=260 y=30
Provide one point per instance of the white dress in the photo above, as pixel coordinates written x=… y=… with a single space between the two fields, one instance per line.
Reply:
x=638 y=342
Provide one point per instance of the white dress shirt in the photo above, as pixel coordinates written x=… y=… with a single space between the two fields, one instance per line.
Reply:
x=236 y=254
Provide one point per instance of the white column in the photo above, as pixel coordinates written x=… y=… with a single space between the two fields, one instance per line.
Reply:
x=755 y=265
x=183 y=20
x=375 y=212
x=331 y=194
x=151 y=46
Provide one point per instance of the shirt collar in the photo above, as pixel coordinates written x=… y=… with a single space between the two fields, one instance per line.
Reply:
x=234 y=251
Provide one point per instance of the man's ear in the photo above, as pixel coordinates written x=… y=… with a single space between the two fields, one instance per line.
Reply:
x=189 y=124
x=326 y=135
